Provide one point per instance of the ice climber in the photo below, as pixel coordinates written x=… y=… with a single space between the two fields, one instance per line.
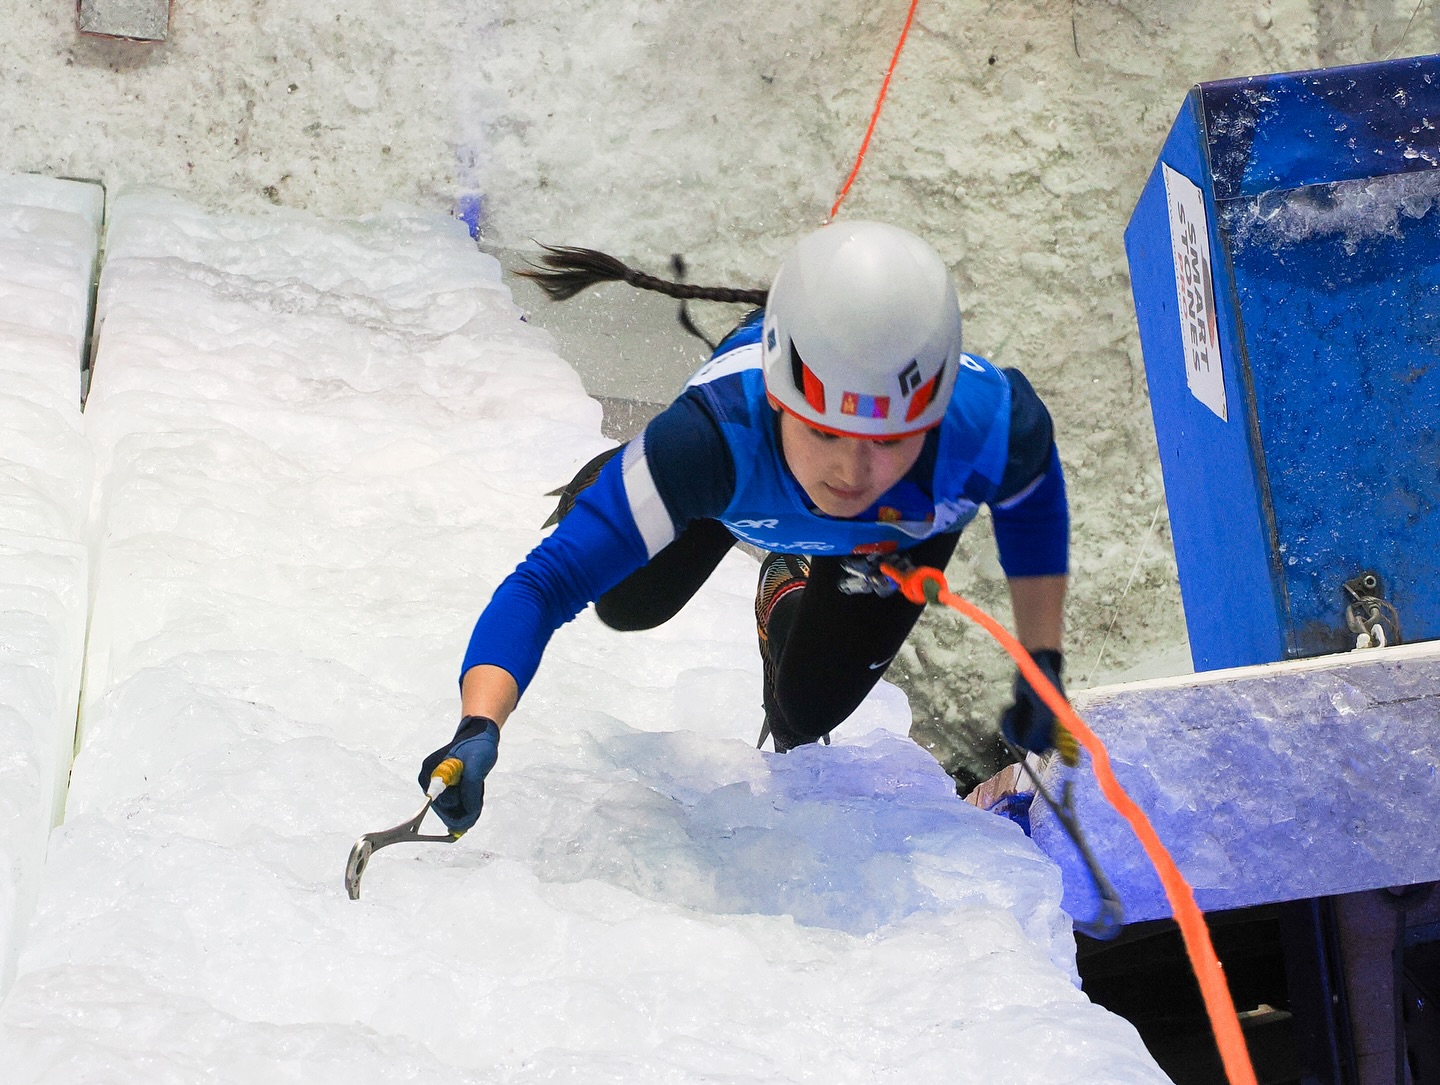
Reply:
x=839 y=425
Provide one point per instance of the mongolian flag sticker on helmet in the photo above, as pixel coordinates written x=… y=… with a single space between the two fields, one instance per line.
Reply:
x=852 y=403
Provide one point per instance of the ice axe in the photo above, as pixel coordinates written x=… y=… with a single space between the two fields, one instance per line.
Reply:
x=447 y=774
x=1111 y=916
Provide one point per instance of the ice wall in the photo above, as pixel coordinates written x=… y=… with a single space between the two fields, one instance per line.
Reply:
x=322 y=446
x=1281 y=782
x=49 y=231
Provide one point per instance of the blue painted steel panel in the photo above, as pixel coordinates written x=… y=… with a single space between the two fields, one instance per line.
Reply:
x=1213 y=475
x=1322 y=191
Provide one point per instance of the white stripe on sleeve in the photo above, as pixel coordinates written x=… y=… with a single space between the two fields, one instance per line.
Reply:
x=1011 y=502
x=646 y=505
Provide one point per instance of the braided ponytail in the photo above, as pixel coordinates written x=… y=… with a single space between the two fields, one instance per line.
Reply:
x=568 y=271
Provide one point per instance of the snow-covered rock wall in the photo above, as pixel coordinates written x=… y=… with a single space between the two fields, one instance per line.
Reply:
x=49 y=232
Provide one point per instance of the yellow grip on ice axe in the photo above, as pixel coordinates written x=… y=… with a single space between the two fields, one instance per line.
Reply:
x=1066 y=745
x=447 y=773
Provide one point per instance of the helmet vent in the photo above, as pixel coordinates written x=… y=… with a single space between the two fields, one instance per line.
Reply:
x=808 y=384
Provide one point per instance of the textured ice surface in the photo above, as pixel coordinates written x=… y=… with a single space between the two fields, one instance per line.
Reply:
x=48 y=235
x=1268 y=783
x=322 y=448
x=1356 y=211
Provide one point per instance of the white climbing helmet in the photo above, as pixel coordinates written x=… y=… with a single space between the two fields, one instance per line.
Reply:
x=862 y=332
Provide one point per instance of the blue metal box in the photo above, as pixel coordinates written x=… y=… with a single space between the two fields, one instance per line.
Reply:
x=1285 y=263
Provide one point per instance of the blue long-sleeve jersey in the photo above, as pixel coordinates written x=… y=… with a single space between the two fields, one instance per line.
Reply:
x=714 y=454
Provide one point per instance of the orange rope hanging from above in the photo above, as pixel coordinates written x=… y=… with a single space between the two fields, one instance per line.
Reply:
x=875 y=116
x=924 y=585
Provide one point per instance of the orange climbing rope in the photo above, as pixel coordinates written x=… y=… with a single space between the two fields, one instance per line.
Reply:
x=875 y=116
x=928 y=585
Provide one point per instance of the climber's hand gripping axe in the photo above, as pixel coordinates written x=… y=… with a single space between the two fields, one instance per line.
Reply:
x=447 y=774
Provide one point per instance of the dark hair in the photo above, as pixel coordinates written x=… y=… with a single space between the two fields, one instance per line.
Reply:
x=567 y=271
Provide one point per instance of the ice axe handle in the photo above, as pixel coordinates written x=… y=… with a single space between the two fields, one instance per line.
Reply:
x=446 y=774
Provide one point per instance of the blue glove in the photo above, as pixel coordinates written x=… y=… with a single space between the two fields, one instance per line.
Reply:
x=1029 y=723
x=476 y=744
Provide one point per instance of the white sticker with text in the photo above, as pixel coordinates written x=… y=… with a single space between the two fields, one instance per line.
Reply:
x=1195 y=290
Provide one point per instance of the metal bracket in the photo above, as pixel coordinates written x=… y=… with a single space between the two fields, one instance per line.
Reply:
x=1375 y=622
x=131 y=20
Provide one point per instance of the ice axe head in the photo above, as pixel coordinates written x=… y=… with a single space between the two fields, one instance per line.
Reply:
x=355 y=866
